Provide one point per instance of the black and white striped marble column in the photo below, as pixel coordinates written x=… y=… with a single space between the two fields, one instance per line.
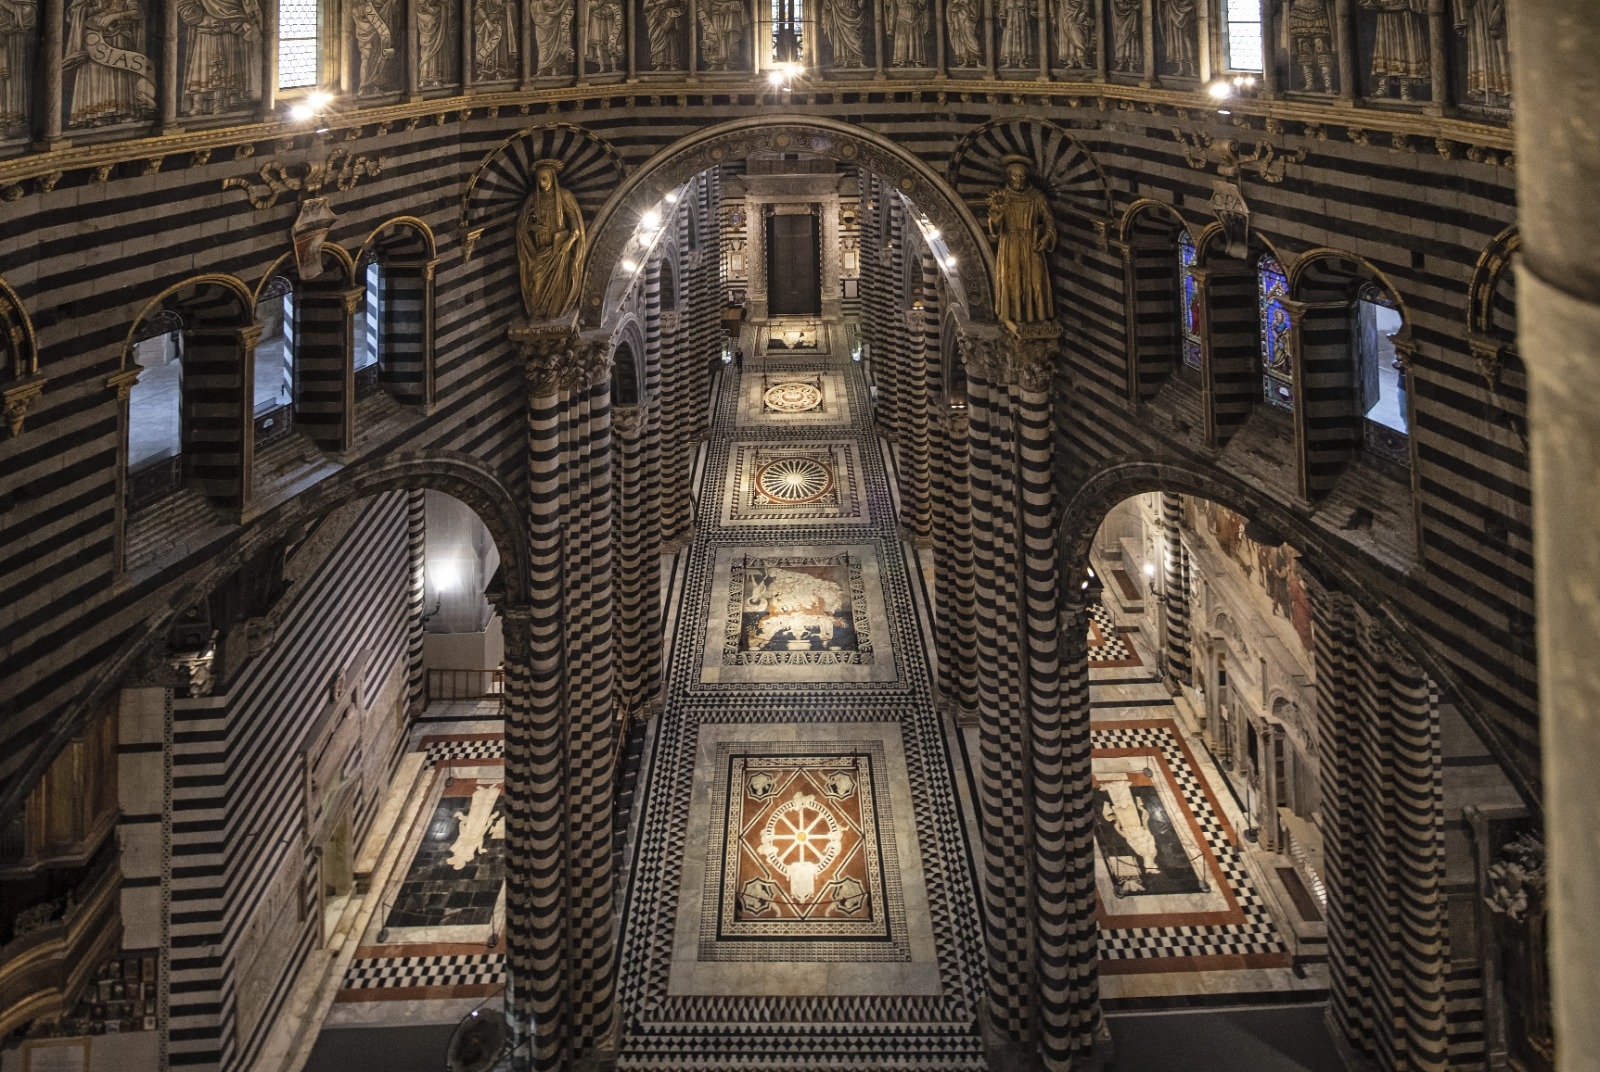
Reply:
x=1038 y=892
x=1175 y=589
x=416 y=565
x=955 y=625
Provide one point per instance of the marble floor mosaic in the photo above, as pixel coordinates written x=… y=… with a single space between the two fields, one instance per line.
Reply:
x=801 y=887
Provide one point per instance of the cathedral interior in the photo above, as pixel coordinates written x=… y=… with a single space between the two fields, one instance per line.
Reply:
x=799 y=535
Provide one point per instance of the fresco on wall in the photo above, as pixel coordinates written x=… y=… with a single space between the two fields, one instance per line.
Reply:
x=846 y=38
x=1394 y=56
x=19 y=33
x=219 y=55
x=377 y=41
x=108 y=75
x=496 y=41
x=1072 y=25
x=1275 y=570
x=1014 y=34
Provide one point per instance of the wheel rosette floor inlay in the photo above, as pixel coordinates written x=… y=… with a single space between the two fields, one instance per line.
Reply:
x=792 y=397
x=793 y=481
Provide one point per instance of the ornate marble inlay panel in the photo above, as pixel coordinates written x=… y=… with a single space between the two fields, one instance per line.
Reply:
x=780 y=397
x=802 y=853
x=802 y=483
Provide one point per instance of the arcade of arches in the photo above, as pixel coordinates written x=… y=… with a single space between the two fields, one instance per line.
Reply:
x=862 y=561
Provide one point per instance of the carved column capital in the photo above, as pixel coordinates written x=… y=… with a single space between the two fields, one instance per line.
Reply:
x=20 y=398
x=556 y=359
x=1023 y=355
x=627 y=420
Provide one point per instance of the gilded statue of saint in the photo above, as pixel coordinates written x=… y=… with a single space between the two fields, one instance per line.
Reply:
x=550 y=245
x=1020 y=221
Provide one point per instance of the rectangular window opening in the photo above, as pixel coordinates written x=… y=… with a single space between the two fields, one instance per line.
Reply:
x=297 y=44
x=1242 y=26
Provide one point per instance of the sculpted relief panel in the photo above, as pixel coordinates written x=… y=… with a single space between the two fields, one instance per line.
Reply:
x=552 y=37
x=219 y=46
x=19 y=26
x=436 y=43
x=961 y=24
x=1073 y=24
x=496 y=40
x=664 y=41
x=845 y=25
x=108 y=75
x=376 y=33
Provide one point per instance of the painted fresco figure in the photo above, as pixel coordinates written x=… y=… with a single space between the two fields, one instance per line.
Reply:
x=1399 y=46
x=1020 y=220
x=17 y=18
x=433 y=31
x=1488 y=61
x=495 y=39
x=722 y=26
x=1074 y=26
x=605 y=35
x=1311 y=43
x=374 y=44
x=222 y=66
x=1127 y=35
x=1016 y=33
x=552 y=36
x=551 y=244
x=664 y=24
x=842 y=23
x=961 y=21
x=112 y=81
x=908 y=22
x=1178 y=37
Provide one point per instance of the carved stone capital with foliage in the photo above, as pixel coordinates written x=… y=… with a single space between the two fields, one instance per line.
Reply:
x=555 y=359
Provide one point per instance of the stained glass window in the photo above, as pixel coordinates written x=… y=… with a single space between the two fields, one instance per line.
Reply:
x=1188 y=314
x=1277 y=354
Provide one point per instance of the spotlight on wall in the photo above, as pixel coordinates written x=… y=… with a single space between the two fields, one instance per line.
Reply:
x=933 y=234
x=446 y=574
x=1221 y=90
x=650 y=220
x=671 y=197
x=1149 y=569
x=950 y=261
x=776 y=78
x=312 y=106
x=630 y=266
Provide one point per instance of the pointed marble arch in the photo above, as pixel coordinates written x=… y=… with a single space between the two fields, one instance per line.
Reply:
x=1487 y=306
x=843 y=143
x=1062 y=166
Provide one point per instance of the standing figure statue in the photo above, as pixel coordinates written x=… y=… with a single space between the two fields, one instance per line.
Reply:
x=1016 y=33
x=112 y=80
x=17 y=18
x=495 y=46
x=1178 y=37
x=1488 y=60
x=552 y=36
x=1025 y=231
x=1074 y=26
x=433 y=31
x=664 y=23
x=374 y=43
x=1127 y=35
x=841 y=24
x=551 y=245
x=722 y=25
x=222 y=68
x=1400 y=46
x=961 y=21
x=908 y=22
x=1311 y=43
x=605 y=35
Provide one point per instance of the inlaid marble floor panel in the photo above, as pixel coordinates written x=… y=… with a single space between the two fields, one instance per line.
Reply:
x=801 y=881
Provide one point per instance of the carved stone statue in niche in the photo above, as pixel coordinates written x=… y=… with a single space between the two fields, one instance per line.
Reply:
x=841 y=24
x=222 y=62
x=1127 y=35
x=1016 y=32
x=373 y=22
x=1074 y=26
x=551 y=245
x=433 y=35
x=1311 y=44
x=496 y=41
x=664 y=23
x=552 y=36
x=1488 y=58
x=605 y=35
x=722 y=29
x=1400 y=47
x=1178 y=37
x=111 y=80
x=908 y=22
x=17 y=20
x=1025 y=231
x=961 y=19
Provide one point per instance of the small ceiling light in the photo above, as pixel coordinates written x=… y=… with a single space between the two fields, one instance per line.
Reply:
x=1085 y=584
x=671 y=198
x=933 y=234
x=950 y=262
x=776 y=78
x=651 y=220
x=1149 y=569
x=1220 y=90
x=630 y=266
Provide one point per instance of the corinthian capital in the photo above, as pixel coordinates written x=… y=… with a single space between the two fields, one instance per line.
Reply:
x=557 y=360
